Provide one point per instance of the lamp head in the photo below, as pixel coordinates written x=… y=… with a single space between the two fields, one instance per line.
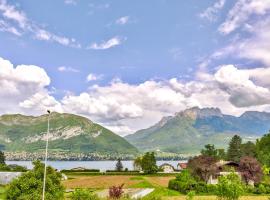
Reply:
x=48 y=111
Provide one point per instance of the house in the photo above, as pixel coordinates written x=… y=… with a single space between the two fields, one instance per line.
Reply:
x=7 y=177
x=224 y=168
x=167 y=168
x=78 y=169
x=181 y=166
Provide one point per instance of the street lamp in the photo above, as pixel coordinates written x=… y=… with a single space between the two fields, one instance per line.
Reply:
x=46 y=155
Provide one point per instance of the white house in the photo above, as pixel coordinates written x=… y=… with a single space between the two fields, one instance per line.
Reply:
x=167 y=168
x=7 y=177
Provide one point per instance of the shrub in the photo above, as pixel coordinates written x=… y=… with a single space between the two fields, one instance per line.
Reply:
x=229 y=187
x=183 y=183
x=83 y=194
x=190 y=195
x=116 y=192
x=29 y=186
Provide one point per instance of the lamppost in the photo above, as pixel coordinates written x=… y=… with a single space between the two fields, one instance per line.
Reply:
x=46 y=155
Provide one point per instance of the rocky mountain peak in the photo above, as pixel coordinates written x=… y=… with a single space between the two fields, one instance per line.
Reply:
x=197 y=112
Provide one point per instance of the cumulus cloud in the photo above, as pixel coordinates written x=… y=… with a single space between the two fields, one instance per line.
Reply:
x=125 y=108
x=241 y=12
x=93 y=77
x=22 y=25
x=122 y=20
x=211 y=12
x=115 y=41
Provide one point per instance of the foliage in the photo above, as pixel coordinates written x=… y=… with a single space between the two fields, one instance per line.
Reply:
x=137 y=164
x=202 y=167
x=119 y=166
x=266 y=170
x=2 y=158
x=209 y=150
x=221 y=154
x=248 y=149
x=183 y=183
x=83 y=194
x=250 y=169
x=263 y=150
x=148 y=163
x=190 y=195
x=234 y=151
x=229 y=187
x=116 y=192
x=29 y=186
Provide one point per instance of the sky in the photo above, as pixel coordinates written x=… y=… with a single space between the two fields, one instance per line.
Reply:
x=126 y=64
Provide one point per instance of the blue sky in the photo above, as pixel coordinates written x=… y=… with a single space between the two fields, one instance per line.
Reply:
x=123 y=63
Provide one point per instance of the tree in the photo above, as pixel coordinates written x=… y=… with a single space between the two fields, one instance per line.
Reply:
x=202 y=167
x=263 y=150
x=148 y=163
x=229 y=187
x=137 y=164
x=221 y=154
x=250 y=169
x=29 y=186
x=119 y=166
x=2 y=158
x=234 y=152
x=209 y=150
x=248 y=149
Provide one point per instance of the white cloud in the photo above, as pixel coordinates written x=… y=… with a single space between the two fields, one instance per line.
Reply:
x=24 y=25
x=70 y=2
x=115 y=41
x=125 y=107
x=93 y=77
x=122 y=20
x=242 y=11
x=5 y=27
x=67 y=69
x=211 y=12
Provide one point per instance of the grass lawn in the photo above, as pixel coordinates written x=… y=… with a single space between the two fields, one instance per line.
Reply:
x=160 y=184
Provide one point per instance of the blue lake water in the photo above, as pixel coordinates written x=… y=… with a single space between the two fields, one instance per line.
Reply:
x=102 y=165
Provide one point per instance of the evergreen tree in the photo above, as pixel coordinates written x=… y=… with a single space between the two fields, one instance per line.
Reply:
x=248 y=149
x=221 y=154
x=2 y=158
x=209 y=150
x=234 y=151
x=119 y=166
x=149 y=165
x=263 y=150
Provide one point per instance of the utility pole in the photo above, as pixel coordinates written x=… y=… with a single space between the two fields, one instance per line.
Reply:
x=46 y=156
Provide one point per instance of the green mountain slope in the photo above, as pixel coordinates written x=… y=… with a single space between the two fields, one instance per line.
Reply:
x=68 y=133
x=188 y=131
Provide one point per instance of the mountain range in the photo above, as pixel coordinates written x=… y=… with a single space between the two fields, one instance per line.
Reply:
x=68 y=133
x=188 y=131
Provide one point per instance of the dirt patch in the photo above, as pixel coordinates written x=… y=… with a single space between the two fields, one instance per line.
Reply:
x=100 y=182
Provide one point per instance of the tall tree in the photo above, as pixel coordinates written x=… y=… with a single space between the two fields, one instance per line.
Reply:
x=119 y=166
x=234 y=150
x=148 y=164
x=250 y=169
x=202 y=166
x=209 y=150
x=221 y=154
x=2 y=158
x=263 y=150
x=248 y=149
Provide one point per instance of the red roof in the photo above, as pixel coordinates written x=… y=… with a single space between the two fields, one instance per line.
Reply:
x=182 y=165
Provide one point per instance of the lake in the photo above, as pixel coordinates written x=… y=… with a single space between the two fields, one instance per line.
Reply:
x=102 y=165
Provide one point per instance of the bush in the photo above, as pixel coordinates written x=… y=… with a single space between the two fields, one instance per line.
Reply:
x=83 y=194
x=262 y=188
x=229 y=187
x=116 y=192
x=29 y=186
x=190 y=195
x=183 y=183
